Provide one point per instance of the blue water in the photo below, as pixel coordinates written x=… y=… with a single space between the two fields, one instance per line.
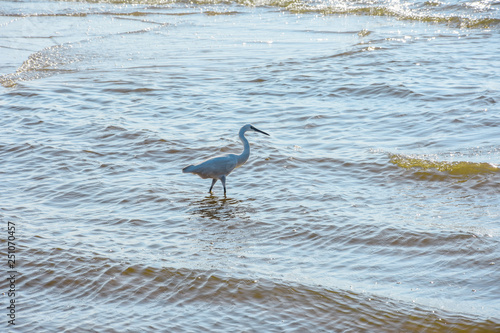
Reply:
x=373 y=206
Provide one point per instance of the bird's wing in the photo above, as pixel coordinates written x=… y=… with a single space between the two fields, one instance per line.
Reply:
x=231 y=162
x=215 y=167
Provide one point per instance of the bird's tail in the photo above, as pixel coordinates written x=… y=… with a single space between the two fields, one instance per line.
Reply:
x=187 y=169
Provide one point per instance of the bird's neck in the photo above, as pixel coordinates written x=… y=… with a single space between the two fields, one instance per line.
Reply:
x=246 y=150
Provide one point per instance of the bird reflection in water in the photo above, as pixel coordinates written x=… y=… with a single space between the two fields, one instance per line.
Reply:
x=216 y=208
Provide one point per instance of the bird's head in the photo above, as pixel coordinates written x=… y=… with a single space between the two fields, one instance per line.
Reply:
x=249 y=127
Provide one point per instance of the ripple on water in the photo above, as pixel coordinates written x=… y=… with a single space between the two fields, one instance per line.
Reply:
x=102 y=286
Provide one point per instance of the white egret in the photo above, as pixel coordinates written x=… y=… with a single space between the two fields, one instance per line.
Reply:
x=219 y=167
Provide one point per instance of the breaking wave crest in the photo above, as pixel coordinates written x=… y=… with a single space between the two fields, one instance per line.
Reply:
x=462 y=168
x=481 y=14
x=50 y=61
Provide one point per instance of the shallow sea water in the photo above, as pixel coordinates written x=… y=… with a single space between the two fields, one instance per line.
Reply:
x=373 y=206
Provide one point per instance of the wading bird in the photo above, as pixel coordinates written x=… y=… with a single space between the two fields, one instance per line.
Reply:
x=219 y=167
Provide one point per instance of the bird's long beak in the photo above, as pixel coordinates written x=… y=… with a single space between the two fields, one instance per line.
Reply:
x=258 y=130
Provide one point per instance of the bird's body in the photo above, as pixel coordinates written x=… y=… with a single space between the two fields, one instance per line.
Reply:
x=219 y=167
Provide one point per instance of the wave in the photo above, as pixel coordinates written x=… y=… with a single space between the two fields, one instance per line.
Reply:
x=69 y=57
x=187 y=297
x=47 y=62
x=459 y=168
x=461 y=14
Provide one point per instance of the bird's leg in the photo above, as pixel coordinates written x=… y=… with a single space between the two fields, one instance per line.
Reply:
x=213 y=183
x=223 y=181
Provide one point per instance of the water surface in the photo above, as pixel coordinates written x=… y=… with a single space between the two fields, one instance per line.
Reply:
x=373 y=206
